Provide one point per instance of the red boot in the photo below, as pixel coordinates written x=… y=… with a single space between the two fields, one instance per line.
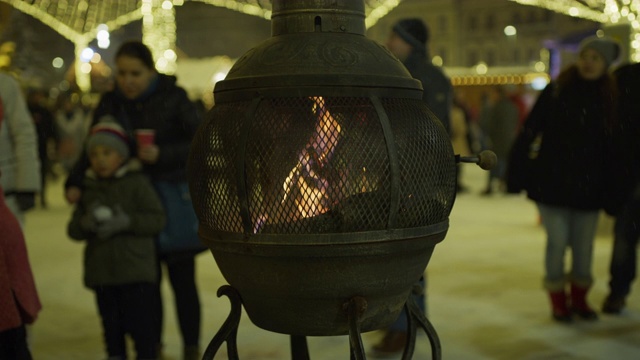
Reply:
x=579 y=304
x=559 y=308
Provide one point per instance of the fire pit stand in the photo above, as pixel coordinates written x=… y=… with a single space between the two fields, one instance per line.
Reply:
x=354 y=309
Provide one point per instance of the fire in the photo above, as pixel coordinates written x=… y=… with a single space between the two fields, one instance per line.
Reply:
x=306 y=182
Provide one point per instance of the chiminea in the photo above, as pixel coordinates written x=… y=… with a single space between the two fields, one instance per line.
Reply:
x=320 y=176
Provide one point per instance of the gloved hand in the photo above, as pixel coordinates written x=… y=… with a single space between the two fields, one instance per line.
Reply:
x=26 y=200
x=88 y=223
x=119 y=222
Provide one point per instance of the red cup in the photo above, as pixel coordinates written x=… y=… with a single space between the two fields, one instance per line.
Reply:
x=145 y=137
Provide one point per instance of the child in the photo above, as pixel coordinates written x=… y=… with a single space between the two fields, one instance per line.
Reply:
x=118 y=216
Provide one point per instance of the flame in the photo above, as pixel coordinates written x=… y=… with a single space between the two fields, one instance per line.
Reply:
x=306 y=181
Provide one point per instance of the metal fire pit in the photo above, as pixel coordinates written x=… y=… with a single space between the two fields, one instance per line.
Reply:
x=320 y=176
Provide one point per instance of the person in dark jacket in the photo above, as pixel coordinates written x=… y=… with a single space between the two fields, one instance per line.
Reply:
x=566 y=176
x=118 y=215
x=146 y=99
x=624 y=198
x=408 y=41
x=499 y=120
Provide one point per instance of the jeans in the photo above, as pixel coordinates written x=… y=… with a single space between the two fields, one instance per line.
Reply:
x=129 y=309
x=400 y=325
x=623 y=257
x=572 y=228
x=181 y=270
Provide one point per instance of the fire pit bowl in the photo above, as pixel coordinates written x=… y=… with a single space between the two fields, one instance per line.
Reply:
x=320 y=175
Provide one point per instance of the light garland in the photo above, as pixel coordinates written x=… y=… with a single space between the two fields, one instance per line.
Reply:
x=570 y=7
x=159 y=33
x=608 y=12
x=498 y=79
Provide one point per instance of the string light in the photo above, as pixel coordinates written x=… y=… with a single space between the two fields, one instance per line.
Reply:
x=159 y=33
x=606 y=12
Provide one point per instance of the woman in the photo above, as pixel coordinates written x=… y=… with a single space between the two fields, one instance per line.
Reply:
x=566 y=176
x=146 y=99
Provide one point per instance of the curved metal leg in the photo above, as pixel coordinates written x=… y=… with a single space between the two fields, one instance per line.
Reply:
x=415 y=314
x=355 y=308
x=229 y=330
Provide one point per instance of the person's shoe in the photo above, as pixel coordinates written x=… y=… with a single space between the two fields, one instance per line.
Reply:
x=613 y=304
x=392 y=343
x=579 y=305
x=559 y=308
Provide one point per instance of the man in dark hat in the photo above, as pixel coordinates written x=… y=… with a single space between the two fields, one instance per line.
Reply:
x=408 y=41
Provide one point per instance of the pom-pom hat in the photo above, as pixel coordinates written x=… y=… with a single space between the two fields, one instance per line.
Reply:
x=108 y=132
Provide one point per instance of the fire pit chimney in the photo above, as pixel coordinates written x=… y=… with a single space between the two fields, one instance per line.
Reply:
x=321 y=180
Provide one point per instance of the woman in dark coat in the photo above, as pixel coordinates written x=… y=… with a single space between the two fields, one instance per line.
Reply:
x=566 y=177
x=146 y=99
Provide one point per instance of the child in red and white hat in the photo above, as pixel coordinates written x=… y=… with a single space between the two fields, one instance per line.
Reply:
x=118 y=217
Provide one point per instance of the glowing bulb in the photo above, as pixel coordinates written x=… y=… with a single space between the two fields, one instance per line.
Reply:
x=86 y=54
x=510 y=30
x=57 y=63
x=482 y=68
x=85 y=68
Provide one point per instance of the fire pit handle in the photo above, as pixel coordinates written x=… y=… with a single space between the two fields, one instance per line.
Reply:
x=487 y=159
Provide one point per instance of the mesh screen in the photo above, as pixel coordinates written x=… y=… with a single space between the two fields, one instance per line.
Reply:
x=313 y=165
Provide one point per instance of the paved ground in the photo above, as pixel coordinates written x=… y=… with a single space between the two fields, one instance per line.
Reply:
x=485 y=295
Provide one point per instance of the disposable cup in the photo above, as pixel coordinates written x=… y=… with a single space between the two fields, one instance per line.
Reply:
x=145 y=137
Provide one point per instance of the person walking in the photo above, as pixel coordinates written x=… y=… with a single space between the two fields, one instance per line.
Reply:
x=408 y=41
x=144 y=99
x=624 y=199
x=19 y=300
x=567 y=175
x=118 y=216
x=43 y=121
x=71 y=125
x=19 y=161
x=499 y=120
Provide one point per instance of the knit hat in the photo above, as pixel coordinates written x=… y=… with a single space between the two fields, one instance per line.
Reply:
x=414 y=31
x=605 y=46
x=108 y=132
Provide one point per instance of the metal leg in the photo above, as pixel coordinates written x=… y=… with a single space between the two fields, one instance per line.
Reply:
x=415 y=314
x=229 y=330
x=355 y=308
x=299 y=348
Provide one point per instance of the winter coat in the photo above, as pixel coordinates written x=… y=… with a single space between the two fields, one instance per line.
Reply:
x=19 y=162
x=129 y=256
x=499 y=122
x=165 y=108
x=438 y=91
x=625 y=174
x=19 y=302
x=570 y=166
